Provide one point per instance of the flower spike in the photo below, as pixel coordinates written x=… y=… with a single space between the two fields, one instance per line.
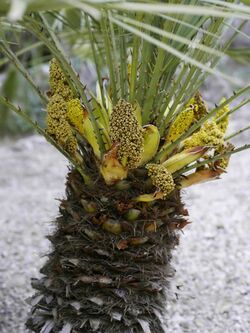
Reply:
x=126 y=130
x=58 y=126
x=181 y=124
x=222 y=117
x=58 y=81
x=208 y=135
x=161 y=178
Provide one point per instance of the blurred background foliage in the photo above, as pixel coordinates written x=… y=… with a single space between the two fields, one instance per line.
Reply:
x=34 y=56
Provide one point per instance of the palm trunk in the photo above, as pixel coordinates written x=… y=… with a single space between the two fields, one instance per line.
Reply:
x=101 y=281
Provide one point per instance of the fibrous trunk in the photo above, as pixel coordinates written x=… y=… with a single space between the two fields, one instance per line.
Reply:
x=109 y=267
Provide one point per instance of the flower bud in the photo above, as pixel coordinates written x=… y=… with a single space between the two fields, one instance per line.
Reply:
x=208 y=135
x=111 y=169
x=127 y=132
x=132 y=214
x=58 y=81
x=161 y=178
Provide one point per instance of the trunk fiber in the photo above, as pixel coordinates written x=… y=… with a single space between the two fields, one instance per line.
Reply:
x=98 y=281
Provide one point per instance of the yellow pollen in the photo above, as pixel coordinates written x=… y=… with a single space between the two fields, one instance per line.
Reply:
x=223 y=123
x=194 y=110
x=58 y=126
x=181 y=124
x=208 y=135
x=58 y=81
x=198 y=105
x=126 y=130
x=224 y=161
x=161 y=178
x=76 y=114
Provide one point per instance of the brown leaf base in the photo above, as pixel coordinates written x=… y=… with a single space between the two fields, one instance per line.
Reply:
x=98 y=281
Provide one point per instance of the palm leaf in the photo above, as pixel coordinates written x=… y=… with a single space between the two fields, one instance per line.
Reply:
x=157 y=54
x=242 y=55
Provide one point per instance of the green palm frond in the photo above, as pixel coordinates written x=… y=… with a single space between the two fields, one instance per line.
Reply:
x=155 y=54
x=198 y=7
x=242 y=55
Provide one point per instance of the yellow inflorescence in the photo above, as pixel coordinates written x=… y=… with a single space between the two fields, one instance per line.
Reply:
x=223 y=123
x=199 y=106
x=58 y=81
x=224 y=161
x=194 y=110
x=57 y=108
x=75 y=114
x=208 y=135
x=58 y=126
x=126 y=130
x=161 y=178
x=181 y=124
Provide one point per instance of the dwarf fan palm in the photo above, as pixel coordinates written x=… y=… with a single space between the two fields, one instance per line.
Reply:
x=133 y=144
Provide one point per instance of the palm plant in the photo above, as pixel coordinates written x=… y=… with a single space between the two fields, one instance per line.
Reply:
x=133 y=142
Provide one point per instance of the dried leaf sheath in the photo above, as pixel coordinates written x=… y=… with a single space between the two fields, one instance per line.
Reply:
x=97 y=281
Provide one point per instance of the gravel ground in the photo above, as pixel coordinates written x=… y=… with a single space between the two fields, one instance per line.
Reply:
x=212 y=262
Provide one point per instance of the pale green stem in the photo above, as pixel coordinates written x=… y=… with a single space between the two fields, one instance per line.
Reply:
x=194 y=10
x=123 y=64
x=201 y=78
x=237 y=133
x=167 y=149
x=183 y=92
x=165 y=120
x=185 y=24
x=61 y=51
x=153 y=86
x=144 y=70
x=41 y=131
x=191 y=78
x=115 y=56
x=232 y=111
x=109 y=58
x=15 y=61
x=134 y=65
x=67 y=68
x=32 y=47
x=210 y=160
x=35 y=6
x=203 y=57
x=22 y=51
x=97 y=65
